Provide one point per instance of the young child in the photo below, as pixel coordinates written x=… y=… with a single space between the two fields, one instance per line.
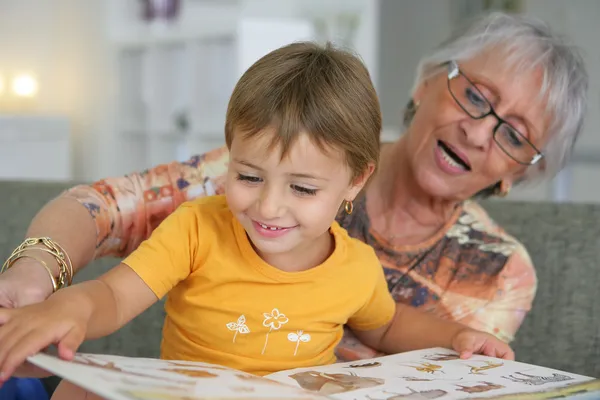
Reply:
x=262 y=279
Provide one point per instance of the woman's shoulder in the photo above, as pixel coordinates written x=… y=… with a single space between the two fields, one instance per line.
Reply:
x=208 y=169
x=477 y=227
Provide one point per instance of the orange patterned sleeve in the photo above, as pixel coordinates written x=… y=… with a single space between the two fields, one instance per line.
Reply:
x=127 y=209
x=515 y=290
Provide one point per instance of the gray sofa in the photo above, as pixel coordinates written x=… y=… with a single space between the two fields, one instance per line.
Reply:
x=562 y=331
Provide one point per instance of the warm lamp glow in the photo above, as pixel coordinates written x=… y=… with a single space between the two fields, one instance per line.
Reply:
x=2 y=85
x=24 y=86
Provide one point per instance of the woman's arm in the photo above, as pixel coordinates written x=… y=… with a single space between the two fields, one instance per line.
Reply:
x=109 y=217
x=515 y=291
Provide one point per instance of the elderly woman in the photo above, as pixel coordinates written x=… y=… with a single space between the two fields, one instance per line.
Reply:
x=500 y=103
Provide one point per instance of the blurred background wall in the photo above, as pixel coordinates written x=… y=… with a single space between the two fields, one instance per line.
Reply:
x=96 y=88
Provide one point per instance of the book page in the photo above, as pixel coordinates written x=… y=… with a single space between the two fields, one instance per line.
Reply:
x=127 y=378
x=439 y=374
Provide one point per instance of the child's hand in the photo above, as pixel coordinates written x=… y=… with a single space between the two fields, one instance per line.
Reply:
x=26 y=331
x=469 y=341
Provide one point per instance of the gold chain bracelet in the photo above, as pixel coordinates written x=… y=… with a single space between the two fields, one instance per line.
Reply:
x=65 y=275
x=46 y=267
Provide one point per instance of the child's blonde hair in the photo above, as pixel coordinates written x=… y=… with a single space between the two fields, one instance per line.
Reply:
x=322 y=91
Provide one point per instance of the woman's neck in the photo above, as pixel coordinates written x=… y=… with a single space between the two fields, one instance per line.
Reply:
x=398 y=208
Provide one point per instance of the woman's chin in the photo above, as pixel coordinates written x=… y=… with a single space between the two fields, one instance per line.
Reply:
x=441 y=187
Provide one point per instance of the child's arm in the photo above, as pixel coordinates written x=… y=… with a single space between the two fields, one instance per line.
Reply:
x=99 y=307
x=88 y=310
x=411 y=329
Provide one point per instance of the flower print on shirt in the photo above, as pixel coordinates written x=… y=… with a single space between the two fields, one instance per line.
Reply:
x=298 y=337
x=239 y=327
x=273 y=320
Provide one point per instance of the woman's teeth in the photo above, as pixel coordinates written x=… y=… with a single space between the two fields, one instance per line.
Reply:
x=450 y=160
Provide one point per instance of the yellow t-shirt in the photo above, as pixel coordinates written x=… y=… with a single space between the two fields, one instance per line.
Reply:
x=227 y=306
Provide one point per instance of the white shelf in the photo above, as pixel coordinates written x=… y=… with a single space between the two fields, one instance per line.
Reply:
x=165 y=35
x=47 y=142
x=165 y=73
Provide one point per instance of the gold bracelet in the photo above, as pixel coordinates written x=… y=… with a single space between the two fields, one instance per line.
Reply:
x=70 y=264
x=52 y=278
x=65 y=276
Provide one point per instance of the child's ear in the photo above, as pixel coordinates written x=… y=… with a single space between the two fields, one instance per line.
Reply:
x=359 y=182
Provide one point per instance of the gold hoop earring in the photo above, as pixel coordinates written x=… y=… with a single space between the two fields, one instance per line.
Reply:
x=348 y=207
x=503 y=189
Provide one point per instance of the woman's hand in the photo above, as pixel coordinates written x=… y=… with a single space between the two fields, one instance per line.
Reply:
x=469 y=341
x=61 y=320
x=26 y=282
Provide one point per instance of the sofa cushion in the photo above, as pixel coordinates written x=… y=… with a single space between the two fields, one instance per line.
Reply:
x=563 y=329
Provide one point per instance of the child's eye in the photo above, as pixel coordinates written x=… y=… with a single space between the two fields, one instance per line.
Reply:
x=304 y=190
x=248 y=178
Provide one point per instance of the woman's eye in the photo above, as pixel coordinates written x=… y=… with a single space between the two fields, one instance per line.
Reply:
x=248 y=178
x=475 y=98
x=511 y=136
x=304 y=190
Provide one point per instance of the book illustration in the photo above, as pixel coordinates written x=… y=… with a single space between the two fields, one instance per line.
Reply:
x=238 y=327
x=480 y=388
x=298 y=337
x=413 y=395
x=537 y=380
x=274 y=321
x=179 y=370
x=325 y=383
x=425 y=367
x=442 y=357
x=394 y=377
x=416 y=379
x=365 y=365
x=478 y=370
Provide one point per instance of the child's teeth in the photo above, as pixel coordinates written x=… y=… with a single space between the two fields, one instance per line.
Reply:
x=271 y=228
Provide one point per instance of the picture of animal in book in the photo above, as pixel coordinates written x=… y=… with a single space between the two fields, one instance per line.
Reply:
x=480 y=388
x=425 y=367
x=334 y=383
x=480 y=369
x=535 y=380
x=441 y=357
x=139 y=370
x=419 y=379
x=372 y=364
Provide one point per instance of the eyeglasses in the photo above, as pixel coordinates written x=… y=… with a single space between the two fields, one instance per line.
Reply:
x=475 y=104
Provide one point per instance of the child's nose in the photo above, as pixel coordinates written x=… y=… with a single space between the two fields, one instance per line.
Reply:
x=271 y=205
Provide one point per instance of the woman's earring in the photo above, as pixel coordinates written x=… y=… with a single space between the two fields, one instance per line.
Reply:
x=503 y=189
x=348 y=206
x=410 y=111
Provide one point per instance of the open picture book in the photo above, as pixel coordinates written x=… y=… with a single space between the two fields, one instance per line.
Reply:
x=426 y=374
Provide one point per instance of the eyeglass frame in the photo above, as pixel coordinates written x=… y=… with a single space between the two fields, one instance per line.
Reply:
x=453 y=72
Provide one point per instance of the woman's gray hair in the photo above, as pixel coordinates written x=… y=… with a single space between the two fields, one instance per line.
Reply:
x=528 y=43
